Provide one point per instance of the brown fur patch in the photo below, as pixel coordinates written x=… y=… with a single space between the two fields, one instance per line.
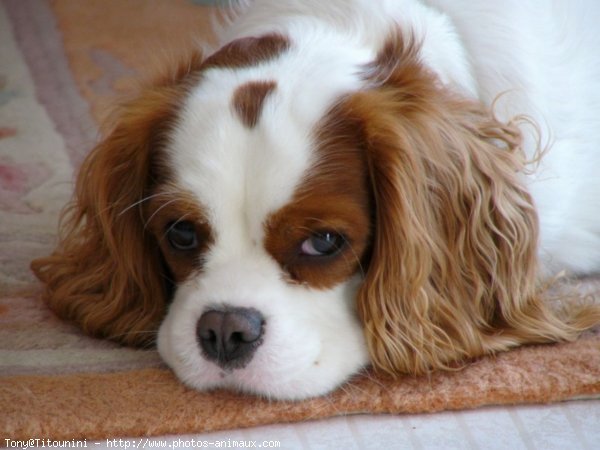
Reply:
x=248 y=51
x=334 y=197
x=248 y=100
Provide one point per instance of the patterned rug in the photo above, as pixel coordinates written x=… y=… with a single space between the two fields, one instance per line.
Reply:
x=62 y=64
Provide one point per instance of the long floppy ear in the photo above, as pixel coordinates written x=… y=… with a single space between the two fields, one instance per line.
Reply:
x=106 y=273
x=453 y=267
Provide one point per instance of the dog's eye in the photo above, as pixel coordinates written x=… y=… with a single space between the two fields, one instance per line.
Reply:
x=322 y=244
x=182 y=236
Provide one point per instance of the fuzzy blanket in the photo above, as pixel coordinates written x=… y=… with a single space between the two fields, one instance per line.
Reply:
x=62 y=63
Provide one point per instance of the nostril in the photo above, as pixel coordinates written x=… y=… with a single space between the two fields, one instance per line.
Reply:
x=243 y=324
x=207 y=333
x=231 y=336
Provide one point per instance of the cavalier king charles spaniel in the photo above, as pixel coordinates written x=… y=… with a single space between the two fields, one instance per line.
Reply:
x=344 y=184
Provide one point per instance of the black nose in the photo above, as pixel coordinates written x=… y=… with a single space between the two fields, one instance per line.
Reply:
x=231 y=336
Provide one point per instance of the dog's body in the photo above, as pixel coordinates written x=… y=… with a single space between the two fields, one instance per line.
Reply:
x=343 y=153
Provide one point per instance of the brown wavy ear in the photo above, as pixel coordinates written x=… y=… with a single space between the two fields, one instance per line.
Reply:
x=453 y=267
x=106 y=273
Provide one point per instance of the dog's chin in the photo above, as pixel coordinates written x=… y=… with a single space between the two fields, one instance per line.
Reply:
x=293 y=362
x=305 y=384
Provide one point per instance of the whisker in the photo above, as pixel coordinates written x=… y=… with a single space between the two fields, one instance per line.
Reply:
x=165 y=193
x=181 y=219
x=158 y=210
x=139 y=202
x=355 y=255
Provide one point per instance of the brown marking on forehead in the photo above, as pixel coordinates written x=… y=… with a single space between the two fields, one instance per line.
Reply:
x=248 y=100
x=168 y=205
x=248 y=51
x=335 y=196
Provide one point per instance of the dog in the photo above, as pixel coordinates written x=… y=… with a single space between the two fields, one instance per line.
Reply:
x=343 y=184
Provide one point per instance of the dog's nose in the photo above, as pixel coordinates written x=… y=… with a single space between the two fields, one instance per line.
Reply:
x=230 y=337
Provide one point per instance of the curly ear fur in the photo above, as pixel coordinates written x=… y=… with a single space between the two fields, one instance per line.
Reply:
x=106 y=273
x=453 y=267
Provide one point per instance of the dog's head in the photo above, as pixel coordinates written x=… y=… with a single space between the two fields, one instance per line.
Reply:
x=285 y=213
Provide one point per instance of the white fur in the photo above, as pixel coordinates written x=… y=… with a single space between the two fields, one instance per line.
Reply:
x=541 y=55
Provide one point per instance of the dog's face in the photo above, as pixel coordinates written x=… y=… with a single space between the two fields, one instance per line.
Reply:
x=265 y=219
x=264 y=223
x=285 y=212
